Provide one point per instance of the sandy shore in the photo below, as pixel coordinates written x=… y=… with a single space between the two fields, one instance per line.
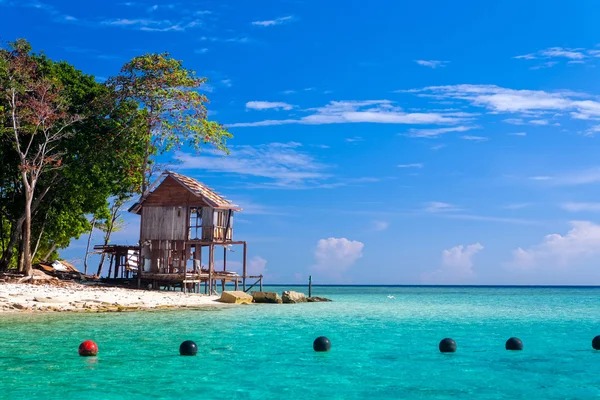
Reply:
x=86 y=298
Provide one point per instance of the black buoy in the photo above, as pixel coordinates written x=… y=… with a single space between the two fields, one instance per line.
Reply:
x=188 y=348
x=447 y=345
x=514 y=343
x=322 y=344
x=596 y=343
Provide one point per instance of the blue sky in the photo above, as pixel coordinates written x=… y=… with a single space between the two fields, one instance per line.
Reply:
x=389 y=142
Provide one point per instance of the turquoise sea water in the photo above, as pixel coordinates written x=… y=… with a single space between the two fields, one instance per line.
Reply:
x=381 y=348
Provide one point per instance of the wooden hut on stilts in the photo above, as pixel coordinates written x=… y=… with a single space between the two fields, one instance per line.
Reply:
x=181 y=218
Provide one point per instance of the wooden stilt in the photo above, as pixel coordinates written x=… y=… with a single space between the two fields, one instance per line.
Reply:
x=211 y=267
x=244 y=272
x=224 y=267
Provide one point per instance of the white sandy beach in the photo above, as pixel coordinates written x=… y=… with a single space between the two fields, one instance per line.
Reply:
x=87 y=298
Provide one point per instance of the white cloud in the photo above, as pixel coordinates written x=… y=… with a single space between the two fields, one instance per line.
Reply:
x=371 y=111
x=592 y=131
x=581 y=241
x=257 y=266
x=438 y=206
x=540 y=178
x=548 y=64
x=518 y=133
x=380 y=225
x=497 y=99
x=434 y=132
x=354 y=139
x=578 y=54
x=201 y=51
x=457 y=265
x=583 y=177
x=268 y=105
x=578 y=207
x=278 y=164
x=335 y=255
x=474 y=138
x=226 y=82
x=432 y=63
x=272 y=22
x=415 y=165
x=152 y=25
x=484 y=218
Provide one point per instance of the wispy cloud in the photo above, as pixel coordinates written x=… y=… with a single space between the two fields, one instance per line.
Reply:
x=380 y=225
x=153 y=25
x=415 y=165
x=268 y=105
x=571 y=55
x=354 y=139
x=474 y=138
x=518 y=133
x=51 y=10
x=432 y=63
x=201 y=51
x=438 y=206
x=497 y=100
x=273 y=22
x=234 y=39
x=366 y=111
x=274 y=164
x=578 y=207
x=435 y=132
x=485 y=218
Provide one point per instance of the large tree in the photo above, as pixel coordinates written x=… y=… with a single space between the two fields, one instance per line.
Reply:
x=67 y=146
x=174 y=111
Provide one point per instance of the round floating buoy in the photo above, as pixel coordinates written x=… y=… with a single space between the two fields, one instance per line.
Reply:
x=88 y=348
x=322 y=344
x=447 y=345
x=596 y=343
x=514 y=344
x=188 y=348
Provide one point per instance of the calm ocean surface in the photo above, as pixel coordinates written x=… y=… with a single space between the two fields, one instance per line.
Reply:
x=381 y=348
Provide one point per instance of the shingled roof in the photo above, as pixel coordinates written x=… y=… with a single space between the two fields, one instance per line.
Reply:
x=196 y=187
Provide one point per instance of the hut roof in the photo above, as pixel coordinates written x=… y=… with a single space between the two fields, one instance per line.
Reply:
x=196 y=187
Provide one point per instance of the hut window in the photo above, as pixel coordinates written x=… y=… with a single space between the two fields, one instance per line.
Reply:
x=195 y=223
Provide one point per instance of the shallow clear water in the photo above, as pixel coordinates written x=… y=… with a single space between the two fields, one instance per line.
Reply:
x=381 y=348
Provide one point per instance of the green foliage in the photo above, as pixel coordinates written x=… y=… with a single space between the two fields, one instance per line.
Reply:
x=99 y=158
x=174 y=112
x=101 y=141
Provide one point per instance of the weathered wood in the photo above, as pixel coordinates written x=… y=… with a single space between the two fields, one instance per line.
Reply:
x=245 y=272
x=171 y=193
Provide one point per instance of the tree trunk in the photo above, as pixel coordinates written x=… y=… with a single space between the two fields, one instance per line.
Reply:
x=49 y=253
x=17 y=229
x=39 y=239
x=87 y=249
x=145 y=167
x=9 y=251
x=26 y=264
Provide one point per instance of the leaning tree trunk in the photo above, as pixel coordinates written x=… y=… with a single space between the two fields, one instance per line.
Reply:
x=87 y=249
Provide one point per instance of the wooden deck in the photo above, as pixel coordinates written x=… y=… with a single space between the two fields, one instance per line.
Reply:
x=191 y=281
